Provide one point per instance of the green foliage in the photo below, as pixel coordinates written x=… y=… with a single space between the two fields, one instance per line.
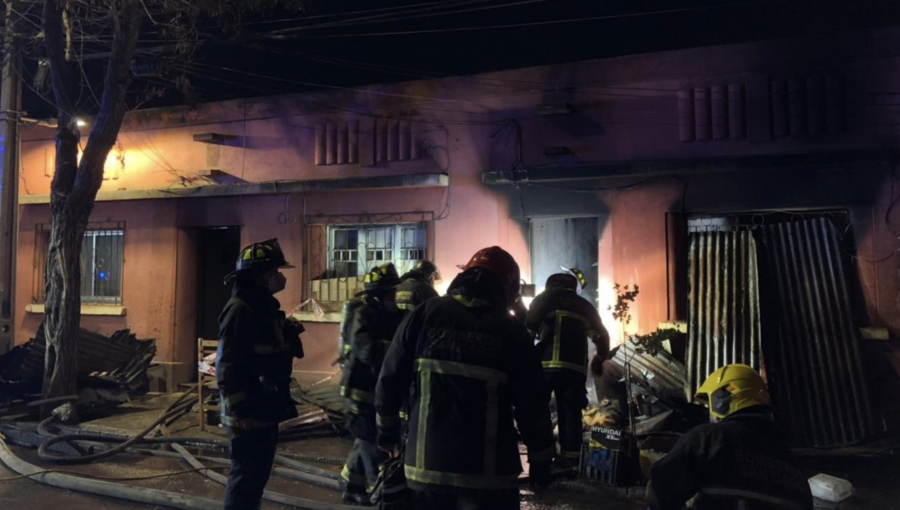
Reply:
x=624 y=298
x=652 y=343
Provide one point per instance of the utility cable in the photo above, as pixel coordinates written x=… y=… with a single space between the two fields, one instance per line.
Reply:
x=528 y=24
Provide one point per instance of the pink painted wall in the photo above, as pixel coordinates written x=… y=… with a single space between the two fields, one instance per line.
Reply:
x=627 y=110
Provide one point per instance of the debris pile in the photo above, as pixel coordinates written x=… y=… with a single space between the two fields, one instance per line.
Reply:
x=110 y=369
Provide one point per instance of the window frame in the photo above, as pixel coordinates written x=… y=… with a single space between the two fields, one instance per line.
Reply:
x=367 y=255
x=94 y=231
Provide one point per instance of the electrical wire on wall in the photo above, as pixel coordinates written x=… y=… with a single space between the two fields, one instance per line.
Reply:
x=432 y=149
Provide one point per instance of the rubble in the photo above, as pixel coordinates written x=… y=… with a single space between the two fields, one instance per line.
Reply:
x=110 y=369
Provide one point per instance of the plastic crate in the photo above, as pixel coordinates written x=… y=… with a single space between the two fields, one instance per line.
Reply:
x=599 y=465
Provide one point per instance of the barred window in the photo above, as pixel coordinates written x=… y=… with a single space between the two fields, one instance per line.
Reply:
x=355 y=250
x=102 y=261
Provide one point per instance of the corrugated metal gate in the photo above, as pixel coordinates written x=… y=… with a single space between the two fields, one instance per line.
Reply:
x=815 y=363
x=805 y=330
x=723 y=321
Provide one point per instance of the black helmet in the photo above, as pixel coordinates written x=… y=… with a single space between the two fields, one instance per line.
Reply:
x=428 y=270
x=260 y=257
x=382 y=276
x=562 y=281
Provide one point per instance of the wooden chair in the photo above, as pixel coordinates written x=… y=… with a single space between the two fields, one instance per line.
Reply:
x=205 y=348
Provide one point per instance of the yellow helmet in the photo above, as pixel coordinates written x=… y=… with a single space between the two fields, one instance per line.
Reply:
x=732 y=388
x=382 y=276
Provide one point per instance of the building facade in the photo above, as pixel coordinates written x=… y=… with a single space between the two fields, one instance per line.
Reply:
x=607 y=165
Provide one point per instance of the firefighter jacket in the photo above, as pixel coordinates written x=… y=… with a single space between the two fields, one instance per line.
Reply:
x=563 y=322
x=371 y=329
x=412 y=292
x=255 y=359
x=743 y=456
x=347 y=314
x=475 y=377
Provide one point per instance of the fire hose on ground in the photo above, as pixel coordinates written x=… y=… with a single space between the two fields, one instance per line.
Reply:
x=103 y=486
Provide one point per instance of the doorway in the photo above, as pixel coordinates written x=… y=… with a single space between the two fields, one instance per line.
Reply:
x=217 y=250
x=558 y=243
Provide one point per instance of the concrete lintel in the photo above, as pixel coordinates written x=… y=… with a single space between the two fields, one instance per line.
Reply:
x=686 y=166
x=429 y=180
x=105 y=310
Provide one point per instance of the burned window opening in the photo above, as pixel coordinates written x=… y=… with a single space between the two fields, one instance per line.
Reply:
x=341 y=255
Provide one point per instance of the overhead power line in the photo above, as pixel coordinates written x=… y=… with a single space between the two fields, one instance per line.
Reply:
x=281 y=35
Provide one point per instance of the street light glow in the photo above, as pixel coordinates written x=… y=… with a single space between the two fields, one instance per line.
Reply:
x=80 y=122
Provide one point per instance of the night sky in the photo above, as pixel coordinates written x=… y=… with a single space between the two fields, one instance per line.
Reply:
x=360 y=42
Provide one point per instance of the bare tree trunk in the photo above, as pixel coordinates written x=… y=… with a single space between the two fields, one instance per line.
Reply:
x=75 y=185
x=63 y=306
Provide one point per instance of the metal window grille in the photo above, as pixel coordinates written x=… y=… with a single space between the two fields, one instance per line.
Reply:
x=357 y=249
x=102 y=263
x=344 y=252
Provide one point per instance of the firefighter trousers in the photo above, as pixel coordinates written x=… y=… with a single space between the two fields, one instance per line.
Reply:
x=252 y=455
x=485 y=500
x=361 y=470
x=569 y=388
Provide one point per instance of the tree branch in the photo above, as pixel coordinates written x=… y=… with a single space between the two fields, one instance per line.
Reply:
x=66 y=133
x=127 y=28
x=56 y=54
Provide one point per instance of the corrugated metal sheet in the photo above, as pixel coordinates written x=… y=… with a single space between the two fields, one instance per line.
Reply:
x=723 y=319
x=120 y=358
x=814 y=363
x=662 y=371
x=778 y=298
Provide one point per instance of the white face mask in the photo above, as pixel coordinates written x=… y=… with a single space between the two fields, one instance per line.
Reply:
x=277 y=283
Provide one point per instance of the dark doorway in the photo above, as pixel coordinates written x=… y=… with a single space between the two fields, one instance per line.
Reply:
x=565 y=242
x=217 y=250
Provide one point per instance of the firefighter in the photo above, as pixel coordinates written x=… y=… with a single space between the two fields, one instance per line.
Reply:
x=563 y=322
x=372 y=327
x=743 y=456
x=475 y=379
x=253 y=367
x=417 y=286
x=374 y=284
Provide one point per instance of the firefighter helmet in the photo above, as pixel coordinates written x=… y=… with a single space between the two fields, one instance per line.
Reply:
x=428 y=270
x=382 y=276
x=732 y=388
x=502 y=264
x=562 y=281
x=260 y=257
x=580 y=278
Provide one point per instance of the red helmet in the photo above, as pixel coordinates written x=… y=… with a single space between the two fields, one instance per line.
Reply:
x=502 y=264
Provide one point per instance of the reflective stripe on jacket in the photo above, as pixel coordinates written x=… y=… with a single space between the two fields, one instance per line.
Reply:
x=413 y=292
x=475 y=377
x=371 y=329
x=254 y=361
x=563 y=321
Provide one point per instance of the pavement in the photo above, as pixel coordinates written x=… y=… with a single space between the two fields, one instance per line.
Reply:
x=876 y=481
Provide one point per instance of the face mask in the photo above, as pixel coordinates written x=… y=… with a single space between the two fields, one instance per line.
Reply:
x=277 y=283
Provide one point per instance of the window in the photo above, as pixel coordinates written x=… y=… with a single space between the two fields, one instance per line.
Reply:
x=102 y=260
x=355 y=250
